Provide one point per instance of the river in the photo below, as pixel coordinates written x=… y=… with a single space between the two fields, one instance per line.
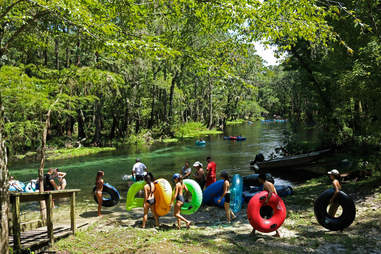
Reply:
x=165 y=159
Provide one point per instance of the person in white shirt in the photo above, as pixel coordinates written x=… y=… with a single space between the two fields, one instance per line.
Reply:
x=139 y=170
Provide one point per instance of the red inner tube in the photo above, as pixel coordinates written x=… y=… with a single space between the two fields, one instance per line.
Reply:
x=275 y=203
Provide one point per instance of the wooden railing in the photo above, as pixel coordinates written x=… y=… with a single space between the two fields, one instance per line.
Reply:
x=48 y=196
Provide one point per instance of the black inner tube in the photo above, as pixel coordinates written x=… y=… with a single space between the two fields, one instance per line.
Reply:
x=334 y=223
x=110 y=196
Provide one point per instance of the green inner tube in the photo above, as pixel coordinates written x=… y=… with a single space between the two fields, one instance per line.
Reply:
x=192 y=206
x=131 y=201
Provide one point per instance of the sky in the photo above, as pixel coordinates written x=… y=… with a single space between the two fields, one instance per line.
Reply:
x=267 y=53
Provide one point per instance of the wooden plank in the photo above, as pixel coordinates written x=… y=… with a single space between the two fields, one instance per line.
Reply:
x=49 y=219
x=16 y=223
x=72 y=213
x=45 y=192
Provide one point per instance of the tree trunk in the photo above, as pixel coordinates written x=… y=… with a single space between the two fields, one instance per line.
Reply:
x=210 y=124
x=42 y=162
x=81 y=124
x=78 y=50
x=98 y=121
x=4 y=198
x=171 y=94
x=151 y=121
x=56 y=53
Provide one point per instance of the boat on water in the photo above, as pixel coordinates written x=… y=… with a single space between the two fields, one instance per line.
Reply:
x=274 y=121
x=287 y=162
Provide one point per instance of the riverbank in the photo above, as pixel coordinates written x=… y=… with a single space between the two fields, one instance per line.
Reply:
x=119 y=231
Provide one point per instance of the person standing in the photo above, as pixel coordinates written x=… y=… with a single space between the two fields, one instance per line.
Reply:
x=229 y=213
x=61 y=179
x=99 y=190
x=186 y=170
x=49 y=183
x=210 y=172
x=199 y=175
x=149 y=200
x=270 y=188
x=178 y=195
x=138 y=170
x=334 y=175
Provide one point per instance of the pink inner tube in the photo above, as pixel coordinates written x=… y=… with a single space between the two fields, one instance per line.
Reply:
x=261 y=224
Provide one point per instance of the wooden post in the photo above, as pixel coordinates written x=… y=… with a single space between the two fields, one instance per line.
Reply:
x=72 y=212
x=49 y=218
x=16 y=224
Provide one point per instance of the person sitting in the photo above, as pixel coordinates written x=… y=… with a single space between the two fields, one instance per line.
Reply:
x=138 y=170
x=16 y=184
x=149 y=200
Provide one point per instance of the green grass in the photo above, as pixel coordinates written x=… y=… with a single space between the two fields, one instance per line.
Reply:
x=193 y=130
x=235 y=122
x=66 y=153
x=170 y=140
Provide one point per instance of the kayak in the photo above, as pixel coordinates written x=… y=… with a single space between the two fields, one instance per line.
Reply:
x=237 y=138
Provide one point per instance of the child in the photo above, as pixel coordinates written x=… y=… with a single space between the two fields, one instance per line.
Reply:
x=334 y=175
x=178 y=194
x=226 y=194
x=99 y=189
x=269 y=187
x=149 y=200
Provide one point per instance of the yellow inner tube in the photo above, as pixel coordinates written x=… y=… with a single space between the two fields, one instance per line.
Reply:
x=163 y=196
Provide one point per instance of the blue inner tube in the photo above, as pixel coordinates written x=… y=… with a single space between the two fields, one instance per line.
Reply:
x=200 y=142
x=212 y=193
x=110 y=190
x=18 y=186
x=334 y=223
x=282 y=190
x=236 y=193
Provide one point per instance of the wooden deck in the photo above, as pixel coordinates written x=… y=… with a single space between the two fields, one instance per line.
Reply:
x=38 y=238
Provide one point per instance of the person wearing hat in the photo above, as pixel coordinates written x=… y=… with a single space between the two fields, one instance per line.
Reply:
x=199 y=175
x=334 y=175
x=139 y=170
x=178 y=195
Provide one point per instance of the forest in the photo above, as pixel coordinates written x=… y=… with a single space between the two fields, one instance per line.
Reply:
x=110 y=72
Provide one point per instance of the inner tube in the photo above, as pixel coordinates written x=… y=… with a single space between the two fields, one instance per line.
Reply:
x=252 y=180
x=282 y=190
x=269 y=217
x=194 y=188
x=238 y=138
x=131 y=200
x=212 y=193
x=31 y=186
x=200 y=142
x=163 y=196
x=114 y=195
x=236 y=193
x=17 y=186
x=329 y=222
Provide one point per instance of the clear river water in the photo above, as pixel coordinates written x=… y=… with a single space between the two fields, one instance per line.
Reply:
x=163 y=160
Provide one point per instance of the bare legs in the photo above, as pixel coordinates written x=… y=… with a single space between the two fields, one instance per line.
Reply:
x=98 y=194
x=178 y=215
x=229 y=213
x=145 y=216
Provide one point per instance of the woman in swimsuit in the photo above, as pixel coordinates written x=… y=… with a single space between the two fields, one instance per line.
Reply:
x=226 y=194
x=149 y=200
x=99 y=189
x=178 y=194
x=61 y=179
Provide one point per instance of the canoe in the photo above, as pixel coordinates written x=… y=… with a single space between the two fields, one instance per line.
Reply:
x=290 y=161
x=237 y=138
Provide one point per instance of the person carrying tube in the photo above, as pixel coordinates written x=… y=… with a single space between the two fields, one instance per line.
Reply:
x=334 y=175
